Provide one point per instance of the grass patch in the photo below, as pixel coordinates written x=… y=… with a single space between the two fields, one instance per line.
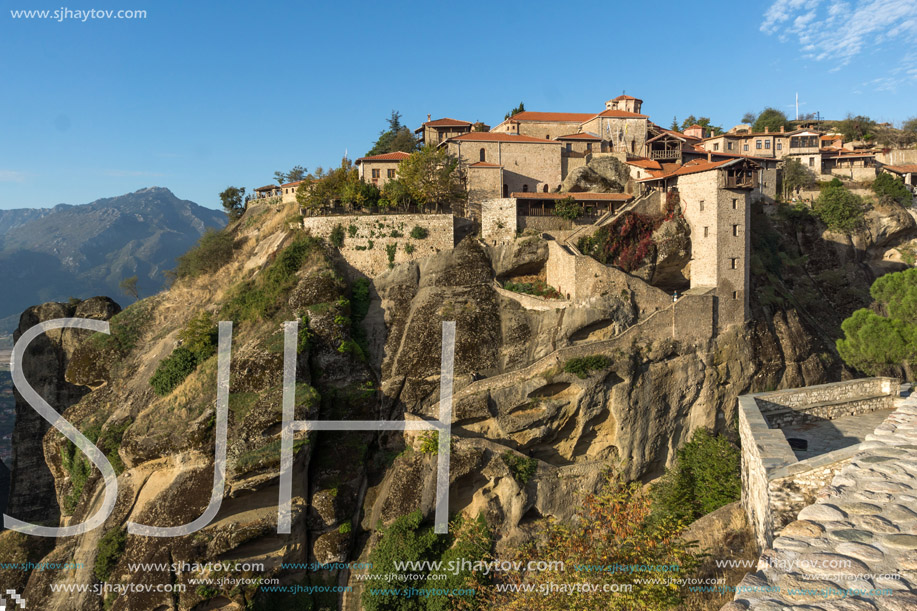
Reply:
x=522 y=467
x=585 y=365
x=539 y=288
x=213 y=250
x=111 y=546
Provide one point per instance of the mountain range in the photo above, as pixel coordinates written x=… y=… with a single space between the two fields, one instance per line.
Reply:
x=52 y=254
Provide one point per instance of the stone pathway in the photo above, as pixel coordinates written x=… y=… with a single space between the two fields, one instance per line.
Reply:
x=829 y=435
x=855 y=549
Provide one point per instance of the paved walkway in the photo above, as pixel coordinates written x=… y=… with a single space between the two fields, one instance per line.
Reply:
x=855 y=549
x=829 y=435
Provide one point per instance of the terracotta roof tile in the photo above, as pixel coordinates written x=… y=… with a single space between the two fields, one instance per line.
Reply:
x=625 y=97
x=646 y=164
x=908 y=168
x=692 y=167
x=622 y=114
x=585 y=196
x=552 y=117
x=580 y=136
x=447 y=122
x=267 y=188
x=498 y=137
x=396 y=156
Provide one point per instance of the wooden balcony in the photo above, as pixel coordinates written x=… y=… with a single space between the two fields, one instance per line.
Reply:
x=666 y=154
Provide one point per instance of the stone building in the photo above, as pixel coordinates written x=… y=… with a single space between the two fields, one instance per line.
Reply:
x=714 y=200
x=435 y=132
x=544 y=125
x=288 y=191
x=267 y=191
x=526 y=164
x=907 y=172
x=379 y=169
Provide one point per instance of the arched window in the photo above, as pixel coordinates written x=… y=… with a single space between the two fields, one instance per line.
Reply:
x=505 y=190
x=483 y=154
x=545 y=188
x=525 y=188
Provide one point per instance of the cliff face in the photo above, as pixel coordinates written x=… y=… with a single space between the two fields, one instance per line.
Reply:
x=377 y=357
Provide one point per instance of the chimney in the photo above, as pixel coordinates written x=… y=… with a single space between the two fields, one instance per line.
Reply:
x=766 y=129
x=782 y=129
x=428 y=117
x=709 y=157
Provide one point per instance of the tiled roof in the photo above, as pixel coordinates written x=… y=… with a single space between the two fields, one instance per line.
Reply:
x=692 y=167
x=498 y=137
x=446 y=122
x=909 y=168
x=625 y=97
x=623 y=114
x=579 y=136
x=267 y=188
x=293 y=184
x=484 y=164
x=552 y=117
x=396 y=156
x=582 y=197
x=646 y=164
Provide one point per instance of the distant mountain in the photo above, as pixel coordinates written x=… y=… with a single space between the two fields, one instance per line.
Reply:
x=52 y=254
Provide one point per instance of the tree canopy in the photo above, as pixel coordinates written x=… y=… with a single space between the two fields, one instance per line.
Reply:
x=397 y=137
x=341 y=185
x=771 y=118
x=838 y=208
x=703 y=122
x=891 y=190
x=857 y=127
x=884 y=336
x=796 y=176
x=233 y=199
x=433 y=178
x=515 y=111
x=910 y=125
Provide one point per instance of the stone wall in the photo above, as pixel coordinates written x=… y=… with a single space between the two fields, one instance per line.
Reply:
x=897 y=157
x=527 y=166
x=543 y=223
x=498 y=220
x=858 y=174
x=775 y=485
x=368 y=236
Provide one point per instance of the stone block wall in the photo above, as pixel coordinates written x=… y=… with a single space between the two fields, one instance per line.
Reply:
x=498 y=220
x=366 y=250
x=775 y=485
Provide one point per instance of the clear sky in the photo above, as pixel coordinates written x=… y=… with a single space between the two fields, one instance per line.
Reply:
x=201 y=95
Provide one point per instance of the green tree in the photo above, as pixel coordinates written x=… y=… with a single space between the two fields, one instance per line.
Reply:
x=515 y=111
x=857 y=127
x=771 y=118
x=341 y=185
x=395 y=194
x=885 y=336
x=796 y=176
x=297 y=173
x=839 y=209
x=567 y=208
x=891 y=190
x=128 y=286
x=674 y=126
x=910 y=125
x=280 y=177
x=434 y=179
x=705 y=476
x=749 y=118
x=396 y=138
x=703 y=122
x=233 y=199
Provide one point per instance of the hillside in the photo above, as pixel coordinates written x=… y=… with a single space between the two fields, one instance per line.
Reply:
x=80 y=251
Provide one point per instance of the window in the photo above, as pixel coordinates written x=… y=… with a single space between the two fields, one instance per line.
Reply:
x=547 y=136
x=716 y=146
x=733 y=263
x=735 y=294
x=735 y=204
x=588 y=147
x=525 y=188
x=767 y=144
x=544 y=189
x=701 y=205
x=483 y=155
x=757 y=144
x=377 y=173
x=569 y=147
x=706 y=232
x=745 y=147
x=811 y=162
x=505 y=190
x=391 y=173
x=729 y=146
x=735 y=231
x=779 y=145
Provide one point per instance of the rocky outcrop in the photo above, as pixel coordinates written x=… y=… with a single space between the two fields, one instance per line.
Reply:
x=44 y=364
x=600 y=175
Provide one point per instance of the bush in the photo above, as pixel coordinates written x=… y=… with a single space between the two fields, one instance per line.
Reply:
x=706 y=475
x=337 y=236
x=419 y=233
x=352 y=230
x=568 y=209
x=390 y=250
x=839 y=209
x=888 y=188
x=409 y=248
x=539 y=288
x=626 y=243
x=583 y=366
x=522 y=467
x=213 y=250
x=173 y=370
x=429 y=442
x=111 y=546
x=200 y=336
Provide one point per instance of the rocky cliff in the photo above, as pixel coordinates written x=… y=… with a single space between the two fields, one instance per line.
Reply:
x=375 y=355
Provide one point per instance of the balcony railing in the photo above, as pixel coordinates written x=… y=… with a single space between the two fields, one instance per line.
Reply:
x=667 y=154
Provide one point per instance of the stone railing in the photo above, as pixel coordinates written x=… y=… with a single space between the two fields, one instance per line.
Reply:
x=775 y=484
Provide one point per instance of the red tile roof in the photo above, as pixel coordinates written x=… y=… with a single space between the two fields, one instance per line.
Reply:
x=447 y=122
x=625 y=97
x=646 y=164
x=579 y=136
x=267 y=188
x=585 y=196
x=552 y=117
x=909 y=168
x=484 y=164
x=396 y=156
x=498 y=137
x=292 y=184
x=618 y=114
x=692 y=167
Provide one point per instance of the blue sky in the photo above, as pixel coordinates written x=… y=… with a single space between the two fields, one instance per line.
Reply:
x=198 y=96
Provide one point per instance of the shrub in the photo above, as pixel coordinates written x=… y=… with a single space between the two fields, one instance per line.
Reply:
x=173 y=370
x=419 y=233
x=429 y=442
x=345 y=528
x=409 y=248
x=839 y=209
x=626 y=243
x=888 y=188
x=583 y=366
x=567 y=208
x=213 y=250
x=390 y=250
x=352 y=230
x=396 y=234
x=111 y=546
x=705 y=476
x=200 y=336
x=337 y=236
x=522 y=467
x=539 y=288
